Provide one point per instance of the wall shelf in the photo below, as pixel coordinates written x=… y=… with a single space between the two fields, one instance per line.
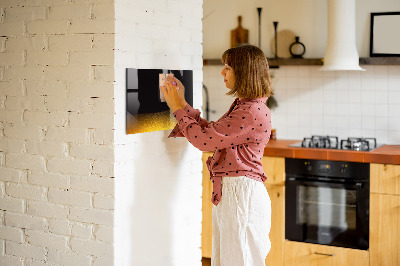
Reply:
x=274 y=63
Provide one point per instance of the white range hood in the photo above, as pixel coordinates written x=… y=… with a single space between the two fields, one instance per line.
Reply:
x=341 y=51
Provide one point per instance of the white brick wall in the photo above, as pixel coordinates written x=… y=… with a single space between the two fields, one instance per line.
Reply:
x=156 y=177
x=56 y=132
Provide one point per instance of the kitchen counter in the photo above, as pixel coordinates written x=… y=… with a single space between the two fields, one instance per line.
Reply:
x=389 y=154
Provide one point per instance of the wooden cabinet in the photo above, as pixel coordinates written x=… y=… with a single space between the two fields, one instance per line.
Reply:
x=305 y=254
x=385 y=215
x=206 y=226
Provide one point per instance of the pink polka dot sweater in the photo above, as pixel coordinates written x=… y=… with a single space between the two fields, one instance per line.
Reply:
x=238 y=139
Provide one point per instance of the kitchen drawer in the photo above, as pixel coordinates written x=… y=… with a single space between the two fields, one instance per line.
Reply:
x=305 y=254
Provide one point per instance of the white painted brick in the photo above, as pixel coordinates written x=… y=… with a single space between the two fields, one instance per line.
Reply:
x=104 y=73
x=91 y=89
x=92 y=151
x=25 y=103
x=24 y=13
x=97 y=57
x=74 y=135
x=93 y=184
x=47 y=240
x=25 y=221
x=3 y=44
x=56 y=103
x=104 y=169
x=46 y=148
x=11 y=260
x=103 y=11
x=2 y=158
x=25 y=161
x=11 y=88
x=46 y=2
x=31 y=43
x=81 y=73
x=69 y=197
x=12 y=145
x=12 y=204
x=60 y=227
x=47 y=27
x=98 y=120
x=25 y=250
x=91 y=26
x=47 y=58
x=11 y=59
x=12 y=117
x=191 y=48
x=105 y=260
x=95 y=216
x=71 y=42
x=103 y=41
x=102 y=136
x=48 y=179
x=25 y=191
x=31 y=262
x=11 y=233
x=24 y=73
x=103 y=202
x=68 y=258
x=24 y=132
x=82 y=230
x=46 y=209
x=46 y=118
x=91 y=247
x=105 y=233
x=70 y=166
x=12 y=29
x=70 y=12
x=46 y=88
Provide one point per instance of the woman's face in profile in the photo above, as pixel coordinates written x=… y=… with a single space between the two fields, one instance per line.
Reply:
x=229 y=76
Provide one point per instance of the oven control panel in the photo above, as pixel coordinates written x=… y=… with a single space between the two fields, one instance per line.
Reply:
x=338 y=169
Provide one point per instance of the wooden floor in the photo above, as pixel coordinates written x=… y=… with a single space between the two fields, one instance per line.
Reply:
x=206 y=261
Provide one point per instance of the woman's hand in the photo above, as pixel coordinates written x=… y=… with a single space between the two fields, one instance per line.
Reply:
x=174 y=94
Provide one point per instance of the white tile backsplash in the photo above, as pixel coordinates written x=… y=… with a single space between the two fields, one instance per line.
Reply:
x=343 y=103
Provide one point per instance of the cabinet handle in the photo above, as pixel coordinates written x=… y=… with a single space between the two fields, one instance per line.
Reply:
x=325 y=254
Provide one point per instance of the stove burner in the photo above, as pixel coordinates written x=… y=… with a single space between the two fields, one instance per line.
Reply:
x=328 y=142
x=358 y=144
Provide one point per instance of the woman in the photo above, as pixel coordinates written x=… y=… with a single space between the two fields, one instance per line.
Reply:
x=242 y=207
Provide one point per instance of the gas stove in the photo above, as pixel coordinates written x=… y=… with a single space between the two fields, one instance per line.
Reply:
x=332 y=142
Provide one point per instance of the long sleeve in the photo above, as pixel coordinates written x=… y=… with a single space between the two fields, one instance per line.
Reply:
x=231 y=130
x=193 y=113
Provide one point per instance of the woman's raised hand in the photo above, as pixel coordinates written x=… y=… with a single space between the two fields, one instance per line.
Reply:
x=174 y=93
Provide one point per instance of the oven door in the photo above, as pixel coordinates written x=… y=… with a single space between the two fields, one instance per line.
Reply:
x=327 y=213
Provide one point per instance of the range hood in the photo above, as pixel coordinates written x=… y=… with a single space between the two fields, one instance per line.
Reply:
x=341 y=51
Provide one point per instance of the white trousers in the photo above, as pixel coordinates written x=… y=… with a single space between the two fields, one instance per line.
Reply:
x=241 y=223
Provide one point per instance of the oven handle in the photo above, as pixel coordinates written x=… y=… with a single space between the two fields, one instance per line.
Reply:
x=357 y=185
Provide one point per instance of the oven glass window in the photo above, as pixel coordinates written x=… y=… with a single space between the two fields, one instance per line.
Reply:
x=326 y=207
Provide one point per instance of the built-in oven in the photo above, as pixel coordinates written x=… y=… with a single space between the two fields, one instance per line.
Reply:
x=327 y=202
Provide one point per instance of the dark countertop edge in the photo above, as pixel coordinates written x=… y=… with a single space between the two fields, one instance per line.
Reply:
x=386 y=154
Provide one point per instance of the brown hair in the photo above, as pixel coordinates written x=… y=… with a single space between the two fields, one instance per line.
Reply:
x=250 y=66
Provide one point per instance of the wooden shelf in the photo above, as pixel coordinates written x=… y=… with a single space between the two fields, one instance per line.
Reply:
x=273 y=63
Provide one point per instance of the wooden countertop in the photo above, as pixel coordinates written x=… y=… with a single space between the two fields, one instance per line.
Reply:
x=389 y=154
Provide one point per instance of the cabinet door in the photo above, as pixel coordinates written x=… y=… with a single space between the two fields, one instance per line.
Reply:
x=304 y=254
x=385 y=178
x=206 y=232
x=384 y=230
x=277 y=233
x=274 y=168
